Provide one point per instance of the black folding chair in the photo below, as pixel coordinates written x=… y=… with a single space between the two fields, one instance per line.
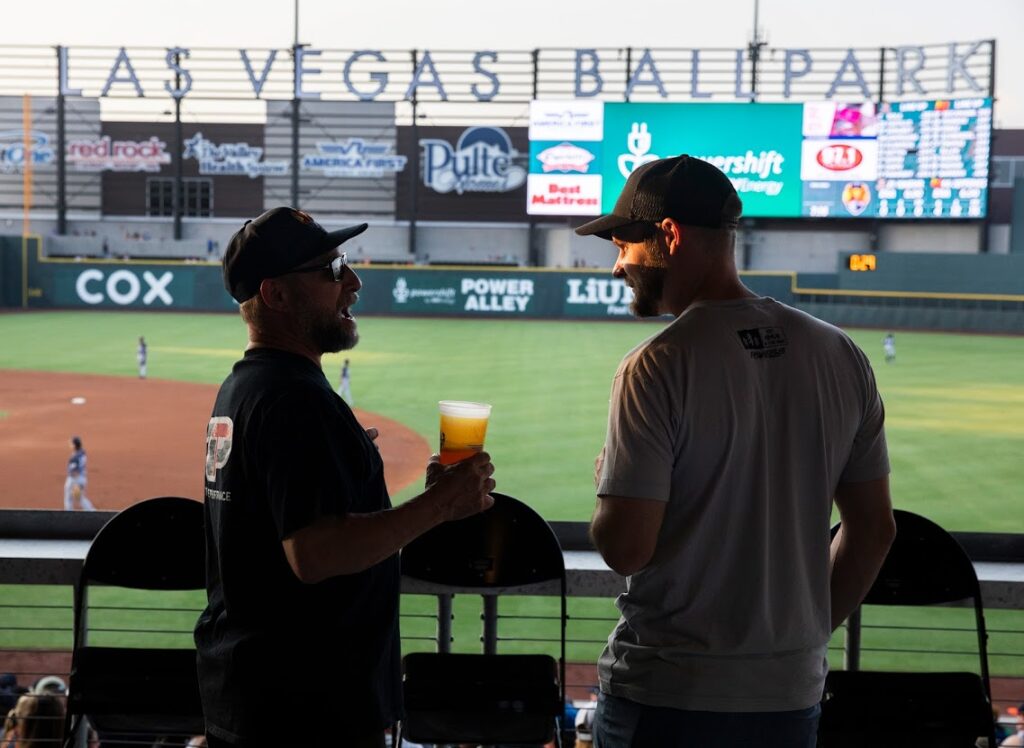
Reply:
x=486 y=698
x=925 y=566
x=134 y=694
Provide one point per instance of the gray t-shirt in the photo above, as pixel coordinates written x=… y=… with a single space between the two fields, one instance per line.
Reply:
x=743 y=416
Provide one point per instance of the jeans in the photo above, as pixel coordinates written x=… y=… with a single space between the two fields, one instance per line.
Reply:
x=621 y=723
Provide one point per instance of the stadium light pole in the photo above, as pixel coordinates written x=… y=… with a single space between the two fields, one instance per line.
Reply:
x=756 y=44
x=295 y=114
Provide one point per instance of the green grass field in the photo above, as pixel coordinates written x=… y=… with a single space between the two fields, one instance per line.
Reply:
x=955 y=424
x=955 y=403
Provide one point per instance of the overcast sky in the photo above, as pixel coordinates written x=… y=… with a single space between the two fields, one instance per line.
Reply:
x=525 y=24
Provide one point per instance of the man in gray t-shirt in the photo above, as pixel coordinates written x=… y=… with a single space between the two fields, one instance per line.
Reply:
x=730 y=432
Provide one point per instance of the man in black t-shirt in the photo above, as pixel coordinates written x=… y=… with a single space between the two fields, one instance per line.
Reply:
x=302 y=541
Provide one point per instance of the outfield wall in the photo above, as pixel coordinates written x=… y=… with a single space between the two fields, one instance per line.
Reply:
x=956 y=274
x=51 y=283
x=979 y=293
x=10 y=271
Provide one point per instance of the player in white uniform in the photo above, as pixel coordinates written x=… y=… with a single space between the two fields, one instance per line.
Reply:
x=74 y=484
x=889 y=344
x=142 y=355
x=345 y=388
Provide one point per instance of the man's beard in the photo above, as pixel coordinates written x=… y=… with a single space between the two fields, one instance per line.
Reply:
x=330 y=332
x=648 y=284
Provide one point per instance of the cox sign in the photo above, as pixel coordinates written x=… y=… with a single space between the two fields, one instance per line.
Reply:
x=124 y=287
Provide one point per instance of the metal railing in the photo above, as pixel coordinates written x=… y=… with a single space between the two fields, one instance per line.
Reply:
x=41 y=553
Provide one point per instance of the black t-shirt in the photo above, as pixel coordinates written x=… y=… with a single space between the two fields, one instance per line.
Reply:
x=281 y=661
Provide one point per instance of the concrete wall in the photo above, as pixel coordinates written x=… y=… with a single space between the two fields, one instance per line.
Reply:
x=929 y=237
x=472 y=243
x=582 y=251
x=999 y=238
x=777 y=248
x=144 y=238
x=812 y=252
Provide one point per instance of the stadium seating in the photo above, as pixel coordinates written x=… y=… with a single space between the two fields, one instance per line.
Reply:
x=486 y=698
x=925 y=566
x=137 y=693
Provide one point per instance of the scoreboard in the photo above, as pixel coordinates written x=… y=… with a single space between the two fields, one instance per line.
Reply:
x=923 y=159
x=822 y=159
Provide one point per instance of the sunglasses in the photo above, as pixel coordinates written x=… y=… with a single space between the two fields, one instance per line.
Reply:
x=336 y=266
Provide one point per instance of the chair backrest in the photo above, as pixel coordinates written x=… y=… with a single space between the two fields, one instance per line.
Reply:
x=509 y=545
x=157 y=544
x=925 y=566
x=486 y=698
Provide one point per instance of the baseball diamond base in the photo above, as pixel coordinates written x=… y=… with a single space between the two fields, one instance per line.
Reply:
x=144 y=438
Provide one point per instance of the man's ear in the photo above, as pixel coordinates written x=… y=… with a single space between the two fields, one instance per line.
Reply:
x=671 y=231
x=273 y=293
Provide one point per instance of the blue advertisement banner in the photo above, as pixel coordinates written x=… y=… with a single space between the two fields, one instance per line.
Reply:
x=756 y=145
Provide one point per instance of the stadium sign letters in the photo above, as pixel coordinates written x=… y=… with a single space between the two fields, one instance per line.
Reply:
x=231 y=158
x=105 y=154
x=565 y=158
x=563 y=195
x=354 y=157
x=483 y=160
x=916 y=73
x=504 y=295
x=403 y=294
x=123 y=287
x=612 y=293
x=496 y=294
x=12 y=150
x=100 y=154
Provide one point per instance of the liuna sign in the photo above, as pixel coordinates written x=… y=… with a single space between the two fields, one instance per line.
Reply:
x=917 y=70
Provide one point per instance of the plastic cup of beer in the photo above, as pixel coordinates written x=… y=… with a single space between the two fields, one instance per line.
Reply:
x=463 y=428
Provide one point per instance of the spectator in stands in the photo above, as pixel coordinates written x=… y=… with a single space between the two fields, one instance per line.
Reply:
x=51 y=684
x=584 y=723
x=1016 y=740
x=9 y=692
x=37 y=721
x=302 y=541
x=730 y=431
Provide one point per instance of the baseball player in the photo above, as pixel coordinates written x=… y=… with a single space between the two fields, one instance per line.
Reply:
x=141 y=356
x=345 y=388
x=74 y=485
x=889 y=344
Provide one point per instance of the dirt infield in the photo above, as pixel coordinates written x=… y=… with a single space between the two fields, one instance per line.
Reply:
x=144 y=438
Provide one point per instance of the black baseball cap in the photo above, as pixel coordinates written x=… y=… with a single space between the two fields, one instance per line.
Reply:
x=276 y=242
x=685 y=188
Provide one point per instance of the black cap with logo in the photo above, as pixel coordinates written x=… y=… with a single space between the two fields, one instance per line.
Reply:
x=685 y=188
x=273 y=244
